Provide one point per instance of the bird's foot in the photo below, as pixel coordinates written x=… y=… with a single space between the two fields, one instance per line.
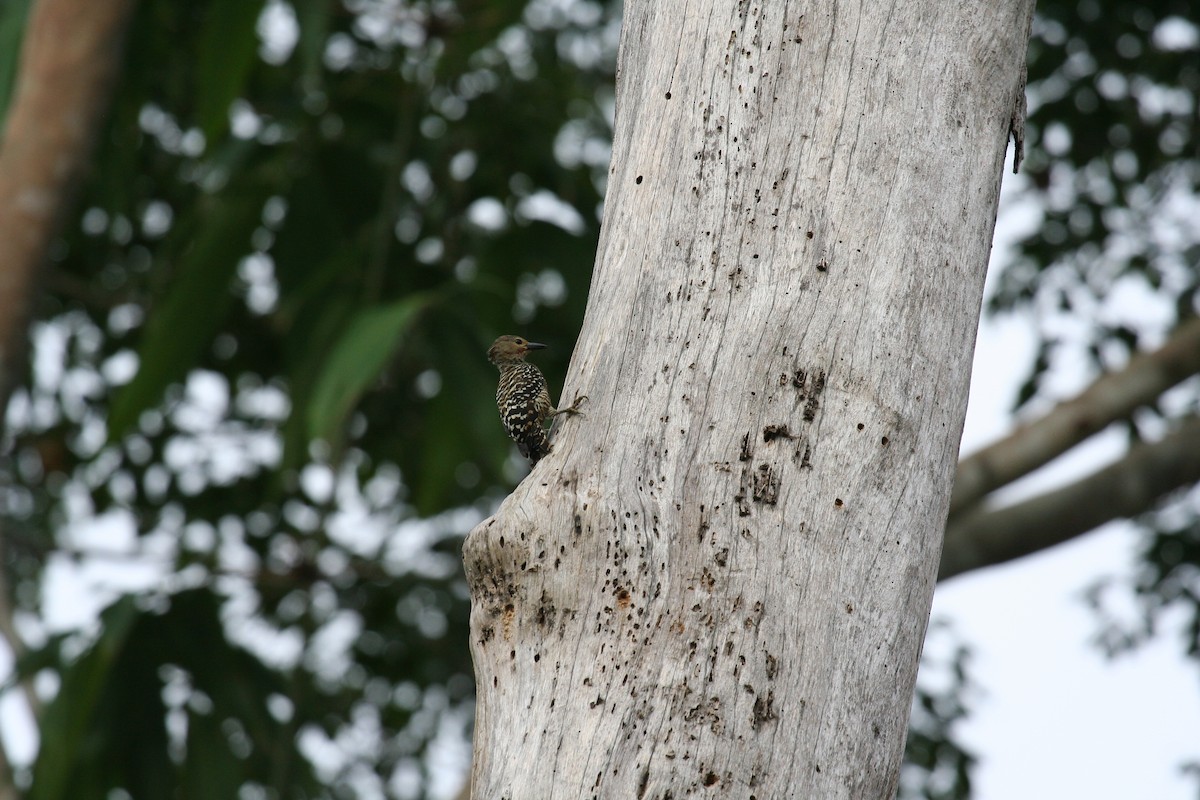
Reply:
x=573 y=409
x=579 y=400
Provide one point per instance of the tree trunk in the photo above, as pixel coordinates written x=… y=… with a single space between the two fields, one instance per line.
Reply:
x=719 y=580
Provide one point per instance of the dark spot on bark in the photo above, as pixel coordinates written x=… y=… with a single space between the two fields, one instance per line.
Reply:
x=814 y=403
x=645 y=779
x=884 y=441
x=711 y=779
x=545 y=612
x=745 y=454
x=766 y=485
x=822 y=265
x=773 y=432
x=837 y=501
x=805 y=457
x=764 y=711
x=849 y=608
x=809 y=234
x=668 y=97
x=638 y=180
x=860 y=426
x=772 y=666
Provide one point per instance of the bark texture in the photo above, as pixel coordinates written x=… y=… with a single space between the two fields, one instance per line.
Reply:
x=717 y=584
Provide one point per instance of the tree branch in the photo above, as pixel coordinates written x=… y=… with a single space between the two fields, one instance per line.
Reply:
x=69 y=55
x=981 y=538
x=1110 y=398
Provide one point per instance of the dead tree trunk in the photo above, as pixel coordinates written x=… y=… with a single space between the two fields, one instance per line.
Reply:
x=718 y=582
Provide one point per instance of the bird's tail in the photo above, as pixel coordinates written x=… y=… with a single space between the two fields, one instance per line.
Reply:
x=534 y=446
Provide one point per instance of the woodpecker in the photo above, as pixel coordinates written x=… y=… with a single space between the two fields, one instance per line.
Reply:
x=522 y=398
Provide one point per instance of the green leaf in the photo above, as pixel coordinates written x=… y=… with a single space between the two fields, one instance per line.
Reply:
x=228 y=49
x=356 y=362
x=305 y=354
x=12 y=29
x=314 y=33
x=198 y=300
x=69 y=722
x=211 y=770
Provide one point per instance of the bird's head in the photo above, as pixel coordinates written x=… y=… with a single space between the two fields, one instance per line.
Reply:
x=508 y=349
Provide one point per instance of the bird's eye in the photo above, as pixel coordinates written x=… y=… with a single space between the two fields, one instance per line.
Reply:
x=520 y=341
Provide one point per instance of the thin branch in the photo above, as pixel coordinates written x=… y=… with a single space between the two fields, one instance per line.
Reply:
x=982 y=538
x=1114 y=396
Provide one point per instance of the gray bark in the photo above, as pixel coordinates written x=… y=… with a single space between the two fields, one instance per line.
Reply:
x=718 y=582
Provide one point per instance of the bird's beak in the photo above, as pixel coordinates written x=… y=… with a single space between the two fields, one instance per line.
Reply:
x=534 y=346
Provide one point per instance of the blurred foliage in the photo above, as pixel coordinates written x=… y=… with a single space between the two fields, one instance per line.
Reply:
x=261 y=348
x=1114 y=173
x=936 y=767
x=151 y=671
x=1112 y=263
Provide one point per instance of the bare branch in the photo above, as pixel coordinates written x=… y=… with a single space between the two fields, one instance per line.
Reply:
x=70 y=53
x=982 y=538
x=1112 y=397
